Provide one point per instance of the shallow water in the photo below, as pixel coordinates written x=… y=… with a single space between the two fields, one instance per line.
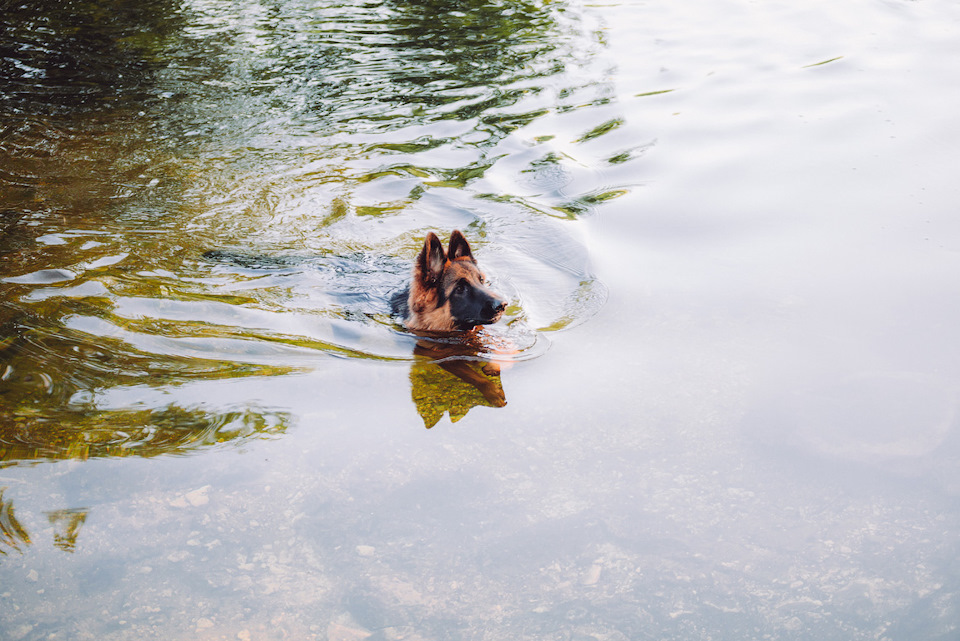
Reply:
x=727 y=405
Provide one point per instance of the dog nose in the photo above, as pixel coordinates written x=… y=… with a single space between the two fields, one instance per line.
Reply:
x=497 y=307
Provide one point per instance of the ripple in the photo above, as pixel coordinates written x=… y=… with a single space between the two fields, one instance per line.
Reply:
x=41 y=277
x=171 y=430
x=260 y=185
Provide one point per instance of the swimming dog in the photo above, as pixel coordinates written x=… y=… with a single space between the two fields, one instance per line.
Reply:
x=448 y=291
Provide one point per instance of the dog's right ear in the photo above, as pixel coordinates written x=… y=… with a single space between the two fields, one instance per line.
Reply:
x=459 y=247
x=432 y=259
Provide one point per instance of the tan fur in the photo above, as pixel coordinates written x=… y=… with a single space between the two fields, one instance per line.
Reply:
x=425 y=315
x=435 y=272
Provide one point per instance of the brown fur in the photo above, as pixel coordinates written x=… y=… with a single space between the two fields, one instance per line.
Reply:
x=436 y=276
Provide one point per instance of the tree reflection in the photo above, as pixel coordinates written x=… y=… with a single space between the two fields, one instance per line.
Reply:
x=66 y=527
x=13 y=536
x=472 y=43
x=78 y=434
x=101 y=101
x=49 y=378
x=63 y=56
x=385 y=66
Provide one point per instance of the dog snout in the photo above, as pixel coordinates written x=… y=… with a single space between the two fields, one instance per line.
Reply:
x=495 y=307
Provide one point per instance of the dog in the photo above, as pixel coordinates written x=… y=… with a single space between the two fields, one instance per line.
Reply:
x=448 y=292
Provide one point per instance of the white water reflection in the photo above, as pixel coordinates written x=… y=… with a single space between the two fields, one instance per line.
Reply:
x=873 y=417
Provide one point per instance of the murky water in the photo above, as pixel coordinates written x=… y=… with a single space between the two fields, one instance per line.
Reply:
x=727 y=405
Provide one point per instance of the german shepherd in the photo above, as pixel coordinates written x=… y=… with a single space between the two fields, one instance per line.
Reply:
x=448 y=292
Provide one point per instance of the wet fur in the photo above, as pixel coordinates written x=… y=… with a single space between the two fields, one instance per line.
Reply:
x=448 y=290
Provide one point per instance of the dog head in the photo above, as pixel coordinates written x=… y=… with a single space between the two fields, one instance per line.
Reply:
x=449 y=291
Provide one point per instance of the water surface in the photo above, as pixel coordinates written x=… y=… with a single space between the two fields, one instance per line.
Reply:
x=728 y=389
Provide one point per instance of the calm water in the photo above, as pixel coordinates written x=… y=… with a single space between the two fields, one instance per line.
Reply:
x=730 y=369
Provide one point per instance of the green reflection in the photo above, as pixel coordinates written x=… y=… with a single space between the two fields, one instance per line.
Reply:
x=822 y=62
x=50 y=379
x=83 y=434
x=138 y=136
x=453 y=376
x=66 y=527
x=601 y=129
x=654 y=93
x=81 y=55
x=586 y=203
x=454 y=389
x=13 y=536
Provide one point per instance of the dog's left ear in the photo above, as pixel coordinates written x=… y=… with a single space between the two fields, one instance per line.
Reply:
x=431 y=261
x=459 y=247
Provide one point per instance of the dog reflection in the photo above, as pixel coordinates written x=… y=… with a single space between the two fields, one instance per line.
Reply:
x=453 y=376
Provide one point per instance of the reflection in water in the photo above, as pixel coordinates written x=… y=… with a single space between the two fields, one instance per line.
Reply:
x=64 y=58
x=149 y=432
x=888 y=419
x=454 y=376
x=454 y=387
x=343 y=130
x=13 y=535
x=50 y=378
x=66 y=527
x=143 y=143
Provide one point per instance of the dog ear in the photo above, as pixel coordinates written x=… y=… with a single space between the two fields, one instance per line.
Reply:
x=459 y=247
x=431 y=259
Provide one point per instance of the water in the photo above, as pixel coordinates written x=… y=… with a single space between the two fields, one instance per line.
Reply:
x=727 y=406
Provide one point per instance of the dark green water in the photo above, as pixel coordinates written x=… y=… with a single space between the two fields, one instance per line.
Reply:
x=729 y=370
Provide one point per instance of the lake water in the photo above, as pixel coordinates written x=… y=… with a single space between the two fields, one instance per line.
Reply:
x=727 y=405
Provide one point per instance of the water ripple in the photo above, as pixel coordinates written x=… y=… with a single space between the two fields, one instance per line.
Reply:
x=260 y=185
